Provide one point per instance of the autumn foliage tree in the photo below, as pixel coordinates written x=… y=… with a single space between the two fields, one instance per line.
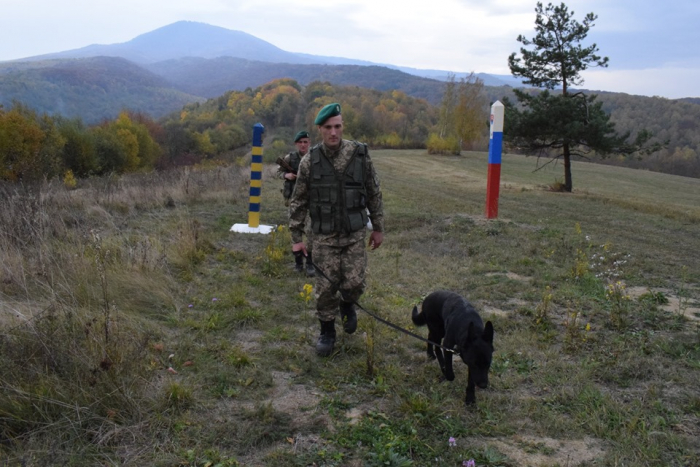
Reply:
x=34 y=147
x=387 y=119
x=29 y=145
x=463 y=116
x=566 y=123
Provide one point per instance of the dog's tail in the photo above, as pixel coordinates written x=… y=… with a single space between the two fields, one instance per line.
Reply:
x=418 y=318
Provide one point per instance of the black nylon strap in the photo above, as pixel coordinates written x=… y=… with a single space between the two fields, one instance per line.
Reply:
x=388 y=323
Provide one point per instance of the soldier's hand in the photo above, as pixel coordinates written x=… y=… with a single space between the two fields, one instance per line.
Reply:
x=375 y=239
x=290 y=176
x=299 y=247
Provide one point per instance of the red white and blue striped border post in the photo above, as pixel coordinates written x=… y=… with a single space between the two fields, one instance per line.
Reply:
x=495 y=147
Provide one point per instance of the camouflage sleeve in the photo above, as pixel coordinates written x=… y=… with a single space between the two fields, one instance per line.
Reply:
x=299 y=203
x=374 y=196
x=281 y=170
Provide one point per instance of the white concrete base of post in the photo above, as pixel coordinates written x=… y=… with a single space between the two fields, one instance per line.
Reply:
x=245 y=228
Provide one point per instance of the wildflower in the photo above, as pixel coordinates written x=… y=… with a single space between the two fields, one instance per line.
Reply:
x=452 y=441
x=190 y=305
x=469 y=463
x=214 y=299
x=306 y=293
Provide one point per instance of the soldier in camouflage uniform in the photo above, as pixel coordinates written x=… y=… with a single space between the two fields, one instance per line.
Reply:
x=301 y=141
x=336 y=186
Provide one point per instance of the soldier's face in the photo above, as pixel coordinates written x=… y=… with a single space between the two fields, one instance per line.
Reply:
x=303 y=145
x=332 y=131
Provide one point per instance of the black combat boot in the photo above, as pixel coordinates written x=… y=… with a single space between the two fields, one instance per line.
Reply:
x=310 y=270
x=326 y=341
x=298 y=261
x=348 y=316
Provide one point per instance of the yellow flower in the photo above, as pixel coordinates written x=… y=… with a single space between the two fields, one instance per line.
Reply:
x=305 y=294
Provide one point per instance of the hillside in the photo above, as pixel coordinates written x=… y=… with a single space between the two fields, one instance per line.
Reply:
x=212 y=77
x=138 y=330
x=91 y=89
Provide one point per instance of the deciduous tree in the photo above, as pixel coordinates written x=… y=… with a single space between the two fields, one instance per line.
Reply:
x=462 y=115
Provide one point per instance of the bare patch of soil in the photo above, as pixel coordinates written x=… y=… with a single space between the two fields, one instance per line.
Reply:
x=511 y=276
x=291 y=398
x=530 y=451
x=250 y=340
x=675 y=304
x=490 y=310
x=301 y=403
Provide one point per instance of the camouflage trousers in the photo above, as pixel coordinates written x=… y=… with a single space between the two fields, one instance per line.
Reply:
x=309 y=235
x=345 y=266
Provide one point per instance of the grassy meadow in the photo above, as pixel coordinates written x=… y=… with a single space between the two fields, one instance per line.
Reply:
x=136 y=329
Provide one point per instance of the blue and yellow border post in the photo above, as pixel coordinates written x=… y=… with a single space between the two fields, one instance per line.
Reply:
x=256 y=167
x=493 y=179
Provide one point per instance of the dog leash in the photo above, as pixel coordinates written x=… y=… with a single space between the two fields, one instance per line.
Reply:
x=382 y=320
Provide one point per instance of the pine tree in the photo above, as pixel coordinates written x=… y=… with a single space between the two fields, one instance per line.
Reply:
x=556 y=120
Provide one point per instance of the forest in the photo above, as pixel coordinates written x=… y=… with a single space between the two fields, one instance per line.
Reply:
x=37 y=145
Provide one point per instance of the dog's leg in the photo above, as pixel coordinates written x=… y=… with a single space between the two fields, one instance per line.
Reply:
x=471 y=390
x=448 y=371
x=431 y=348
x=441 y=361
x=431 y=352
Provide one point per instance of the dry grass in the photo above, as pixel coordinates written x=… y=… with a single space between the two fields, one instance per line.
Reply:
x=135 y=329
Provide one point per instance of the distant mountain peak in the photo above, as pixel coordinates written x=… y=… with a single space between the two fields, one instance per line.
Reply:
x=185 y=31
x=186 y=39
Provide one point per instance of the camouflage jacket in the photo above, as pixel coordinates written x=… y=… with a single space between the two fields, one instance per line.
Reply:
x=293 y=159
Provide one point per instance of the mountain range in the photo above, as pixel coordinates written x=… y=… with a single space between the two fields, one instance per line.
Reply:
x=192 y=39
x=160 y=71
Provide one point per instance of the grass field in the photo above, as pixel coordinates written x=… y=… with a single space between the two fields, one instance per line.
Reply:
x=136 y=329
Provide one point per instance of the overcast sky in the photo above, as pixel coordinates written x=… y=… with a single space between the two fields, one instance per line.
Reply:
x=653 y=45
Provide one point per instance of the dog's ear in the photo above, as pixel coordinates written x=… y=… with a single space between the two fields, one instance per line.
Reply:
x=488 y=333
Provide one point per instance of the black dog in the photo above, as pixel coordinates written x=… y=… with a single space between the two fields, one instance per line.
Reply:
x=449 y=316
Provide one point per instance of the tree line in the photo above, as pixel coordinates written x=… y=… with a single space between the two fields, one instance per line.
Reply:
x=35 y=146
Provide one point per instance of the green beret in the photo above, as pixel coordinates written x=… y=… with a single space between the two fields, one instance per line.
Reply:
x=300 y=135
x=331 y=110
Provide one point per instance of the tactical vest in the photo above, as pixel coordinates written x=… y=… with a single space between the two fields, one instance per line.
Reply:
x=337 y=202
x=294 y=160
